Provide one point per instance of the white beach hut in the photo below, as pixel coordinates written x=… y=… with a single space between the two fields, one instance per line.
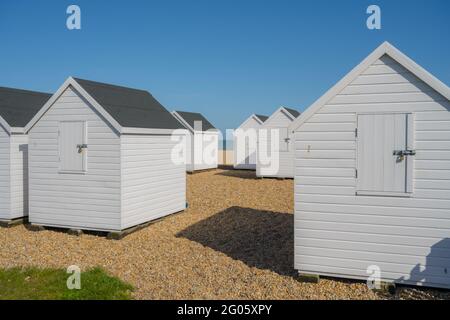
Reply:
x=17 y=107
x=100 y=158
x=245 y=142
x=202 y=141
x=275 y=158
x=372 y=175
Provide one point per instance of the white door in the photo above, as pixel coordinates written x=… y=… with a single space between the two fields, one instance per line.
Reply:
x=284 y=140
x=72 y=146
x=384 y=154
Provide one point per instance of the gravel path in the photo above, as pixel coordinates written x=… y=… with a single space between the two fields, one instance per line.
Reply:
x=234 y=242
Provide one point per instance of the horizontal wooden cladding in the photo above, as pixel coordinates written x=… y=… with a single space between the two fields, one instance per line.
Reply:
x=388 y=107
x=443 y=115
x=323 y=172
x=390 y=270
x=432 y=154
x=152 y=185
x=443 y=125
x=320 y=127
x=379 y=210
x=377 y=229
x=393 y=202
x=324 y=145
x=324 y=163
x=325 y=136
x=384 y=88
x=361 y=274
x=432 y=164
x=362 y=217
x=384 y=79
x=330 y=190
x=332 y=118
x=433 y=135
x=325 y=154
x=5 y=178
x=90 y=200
x=359 y=252
x=378 y=98
x=325 y=181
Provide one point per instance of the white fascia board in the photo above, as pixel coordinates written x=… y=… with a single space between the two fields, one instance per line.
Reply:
x=129 y=130
x=182 y=121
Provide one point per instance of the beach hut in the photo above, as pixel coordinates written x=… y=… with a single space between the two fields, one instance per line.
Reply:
x=372 y=176
x=275 y=150
x=101 y=158
x=17 y=107
x=202 y=141
x=245 y=142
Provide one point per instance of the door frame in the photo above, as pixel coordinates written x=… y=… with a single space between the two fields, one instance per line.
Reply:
x=85 y=141
x=409 y=161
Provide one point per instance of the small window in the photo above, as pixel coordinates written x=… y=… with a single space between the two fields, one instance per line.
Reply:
x=385 y=154
x=72 y=146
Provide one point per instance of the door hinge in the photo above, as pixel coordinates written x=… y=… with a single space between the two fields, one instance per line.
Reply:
x=356 y=132
x=356 y=173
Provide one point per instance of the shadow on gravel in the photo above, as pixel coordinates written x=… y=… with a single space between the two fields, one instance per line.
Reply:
x=261 y=239
x=243 y=174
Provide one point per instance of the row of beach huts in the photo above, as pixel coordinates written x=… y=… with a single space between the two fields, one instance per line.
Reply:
x=370 y=161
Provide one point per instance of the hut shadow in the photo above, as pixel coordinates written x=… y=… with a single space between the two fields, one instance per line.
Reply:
x=242 y=174
x=260 y=239
x=436 y=269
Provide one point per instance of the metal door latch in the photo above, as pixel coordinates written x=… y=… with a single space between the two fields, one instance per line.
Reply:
x=402 y=153
x=81 y=147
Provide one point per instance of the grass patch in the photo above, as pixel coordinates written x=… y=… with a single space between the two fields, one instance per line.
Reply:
x=51 y=284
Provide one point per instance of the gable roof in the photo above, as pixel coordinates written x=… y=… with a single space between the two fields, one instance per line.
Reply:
x=127 y=110
x=17 y=106
x=258 y=118
x=293 y=112
x=130 y=107
x=261 y=117
x=290 y=113
x=189 y=119
x=384 y=49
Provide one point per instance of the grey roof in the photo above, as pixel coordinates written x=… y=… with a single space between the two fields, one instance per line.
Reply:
x=191 y=117
x=261 y=117
x=295 y=113
x=18 y=107
x=130 y=107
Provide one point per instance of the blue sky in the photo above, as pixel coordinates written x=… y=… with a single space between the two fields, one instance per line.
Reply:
x=226 y=59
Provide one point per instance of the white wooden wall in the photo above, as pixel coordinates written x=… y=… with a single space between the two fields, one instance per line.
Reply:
x=250 y=164
x=210 y=142
x=153 y=185
x=340 y=234
x=19 y=175
x=286 y=167
x=5 y=181
x=87 y=201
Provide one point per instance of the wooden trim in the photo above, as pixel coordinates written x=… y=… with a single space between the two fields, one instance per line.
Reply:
x=410 y=144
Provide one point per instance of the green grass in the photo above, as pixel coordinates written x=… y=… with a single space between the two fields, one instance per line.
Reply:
x=50 y=284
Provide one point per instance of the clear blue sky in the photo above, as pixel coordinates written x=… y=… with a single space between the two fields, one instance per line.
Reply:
x=224 y=58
